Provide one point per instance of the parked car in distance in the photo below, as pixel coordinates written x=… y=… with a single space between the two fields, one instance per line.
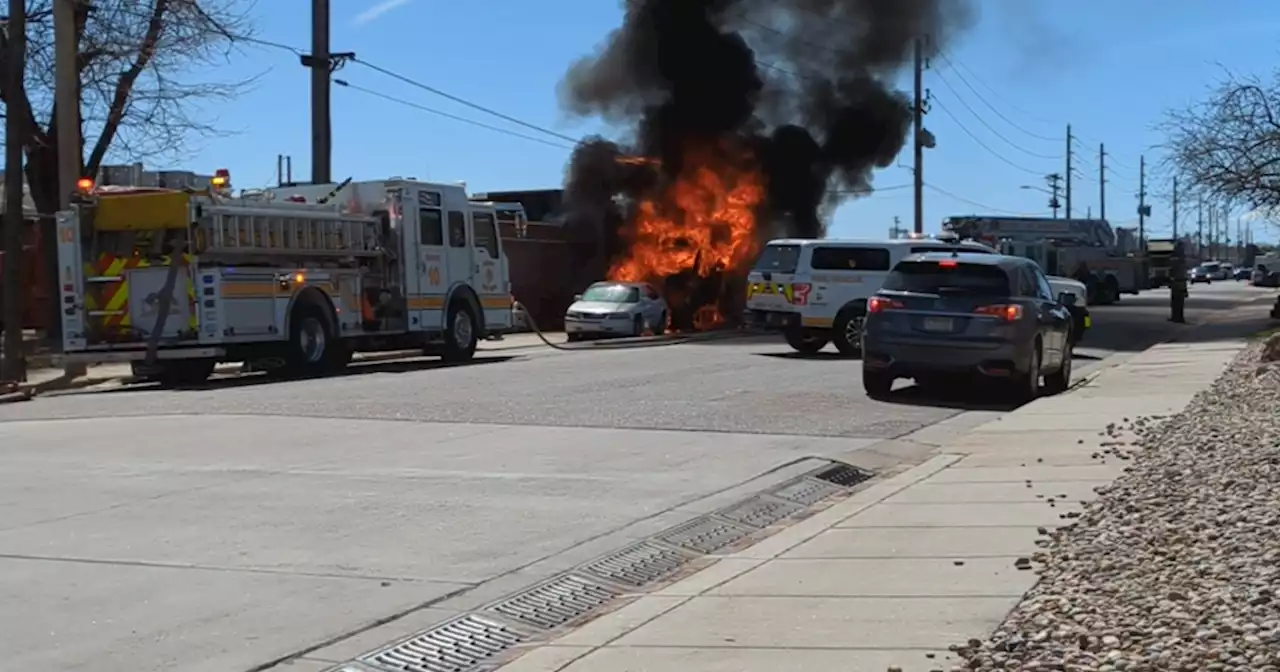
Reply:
x=1243 y=273
x=616 y=309
x=1202 y=273
x=941 y=317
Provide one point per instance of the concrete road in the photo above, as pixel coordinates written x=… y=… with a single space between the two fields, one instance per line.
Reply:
x=237 y=525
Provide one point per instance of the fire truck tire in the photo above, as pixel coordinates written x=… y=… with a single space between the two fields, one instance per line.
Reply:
x=460 y=333
x=847 y=331
x=806 y=342
x=177 y=372
x=311 y=341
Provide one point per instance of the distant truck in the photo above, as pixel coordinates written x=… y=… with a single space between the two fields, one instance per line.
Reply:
x=1160 y=253
x=1085 y=249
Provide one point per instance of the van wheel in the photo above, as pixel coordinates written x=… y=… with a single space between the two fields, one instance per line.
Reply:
x=311 y=342
x=460 y=333
x=806 y=343
x=847 y=331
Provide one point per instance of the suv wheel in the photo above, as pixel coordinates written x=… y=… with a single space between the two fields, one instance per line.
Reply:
x=1058 y=381
x=1026 y=388
x=847 y=331
x=877 y=384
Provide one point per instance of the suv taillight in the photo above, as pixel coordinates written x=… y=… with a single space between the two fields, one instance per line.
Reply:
x=1008 y=312
x=879 y=304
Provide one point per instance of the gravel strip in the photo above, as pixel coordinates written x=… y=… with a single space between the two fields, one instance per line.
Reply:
x=1176 y=566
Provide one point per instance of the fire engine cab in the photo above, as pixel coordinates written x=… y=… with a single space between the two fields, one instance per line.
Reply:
x=296 y=278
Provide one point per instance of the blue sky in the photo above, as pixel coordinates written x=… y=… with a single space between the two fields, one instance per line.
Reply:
x=1014 y=80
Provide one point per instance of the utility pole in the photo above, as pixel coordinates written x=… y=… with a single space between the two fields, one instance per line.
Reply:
x=1102 y=181
x=1055 y=187
x=1175 y=208
x=1213 y=232
x=66 y=96
x=321 y=128
x=1199 y=225
x=918 y=136
x=14 y=362
x=1068 y=171
x=1143 y=210
x=323 y=64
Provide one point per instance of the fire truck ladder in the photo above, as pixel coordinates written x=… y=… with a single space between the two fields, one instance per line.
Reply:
x=288 y=230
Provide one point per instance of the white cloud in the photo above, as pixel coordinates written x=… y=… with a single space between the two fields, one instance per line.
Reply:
x=378 y=10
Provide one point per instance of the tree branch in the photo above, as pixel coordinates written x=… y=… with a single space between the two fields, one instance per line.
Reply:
x=124 y=85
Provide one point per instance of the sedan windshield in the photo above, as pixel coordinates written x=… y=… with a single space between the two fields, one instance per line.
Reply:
x=612 y=294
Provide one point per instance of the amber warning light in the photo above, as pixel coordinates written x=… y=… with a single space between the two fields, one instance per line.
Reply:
x=221 y=178
x=84 y=184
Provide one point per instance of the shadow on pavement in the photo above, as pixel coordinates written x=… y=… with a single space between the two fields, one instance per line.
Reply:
x=817 y=356
x=976 y=398
x=355 y=369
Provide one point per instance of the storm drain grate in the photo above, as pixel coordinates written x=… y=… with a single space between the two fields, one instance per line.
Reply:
x=555 y=603
x=456 y=646
x=843 y=475
x=638 y=565
x=761 y=511
x=807 y=491
x=705 y=534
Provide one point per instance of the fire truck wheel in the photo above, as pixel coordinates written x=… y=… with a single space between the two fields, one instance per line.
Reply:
x=460 y=333
x=310 y=340
x=174 y=373
x=847 y=331
x=806 y=342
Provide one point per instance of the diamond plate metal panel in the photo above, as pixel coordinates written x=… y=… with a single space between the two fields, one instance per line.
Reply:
x=459 y=645
x=761 y=511
x=556 y=602
x=807 y=491
x=705 y=534
x=638 y=565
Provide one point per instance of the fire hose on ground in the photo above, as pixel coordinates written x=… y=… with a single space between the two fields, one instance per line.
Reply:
x=654 y=341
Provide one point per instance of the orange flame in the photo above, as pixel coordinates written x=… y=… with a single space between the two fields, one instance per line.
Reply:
x=704 y=222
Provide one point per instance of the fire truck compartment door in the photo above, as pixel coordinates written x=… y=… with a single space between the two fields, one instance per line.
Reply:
x=145 y=287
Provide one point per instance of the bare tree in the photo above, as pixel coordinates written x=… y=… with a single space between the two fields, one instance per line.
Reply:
x=1228 y=145
x=143 y=81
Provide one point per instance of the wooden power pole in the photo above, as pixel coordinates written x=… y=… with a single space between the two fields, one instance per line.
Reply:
x=66 y=96
x=14 y=362
x=918 y=136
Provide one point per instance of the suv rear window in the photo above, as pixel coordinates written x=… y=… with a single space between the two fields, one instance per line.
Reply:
x=778 y=259
x=927 y=277
x=850 y=259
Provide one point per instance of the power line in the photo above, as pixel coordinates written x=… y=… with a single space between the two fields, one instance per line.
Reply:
x=957 y=67
x=959 y=75
x=463 y=101
x=991 y=128
x=446 y=115
x=982 y=144
x=974 y=203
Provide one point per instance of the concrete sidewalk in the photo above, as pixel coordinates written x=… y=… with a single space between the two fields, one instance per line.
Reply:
x=895 y=574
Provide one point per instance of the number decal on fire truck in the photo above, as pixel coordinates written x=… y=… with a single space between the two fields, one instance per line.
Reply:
x=433 y=276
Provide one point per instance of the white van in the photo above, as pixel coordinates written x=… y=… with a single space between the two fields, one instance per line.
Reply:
x=815 y=291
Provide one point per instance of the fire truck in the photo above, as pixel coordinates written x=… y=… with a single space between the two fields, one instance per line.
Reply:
x=294 y=279
x=1089 y=250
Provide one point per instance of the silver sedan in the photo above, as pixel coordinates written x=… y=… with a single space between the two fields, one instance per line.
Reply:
x=616 y=309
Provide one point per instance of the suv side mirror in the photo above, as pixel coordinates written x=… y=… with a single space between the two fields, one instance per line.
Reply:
x=577 y=297
x=1067 y=299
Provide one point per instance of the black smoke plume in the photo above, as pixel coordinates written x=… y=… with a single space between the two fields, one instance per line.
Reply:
x=807 y=85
